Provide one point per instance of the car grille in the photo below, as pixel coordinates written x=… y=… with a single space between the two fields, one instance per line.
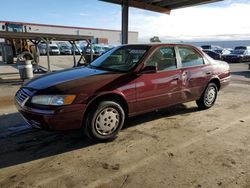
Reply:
x=22 y=96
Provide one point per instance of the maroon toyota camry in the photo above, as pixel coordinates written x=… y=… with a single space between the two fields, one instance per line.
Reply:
x=126 y=81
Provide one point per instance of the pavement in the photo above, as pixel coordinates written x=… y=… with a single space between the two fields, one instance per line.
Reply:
x=10 y=72
x=179 y=146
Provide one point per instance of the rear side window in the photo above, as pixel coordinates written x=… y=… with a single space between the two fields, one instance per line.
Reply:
x=189 y=57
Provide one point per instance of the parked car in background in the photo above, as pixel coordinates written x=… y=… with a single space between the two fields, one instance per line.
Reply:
x=237 y=56
x=125 y=81
x=216 y=49
x=89 y=50
x=222 y=51
x=211 y=47
x=66 y=50
x=101 y=49
x=77 y=49
x=213 y=54
x=98 y=49
x=42 y=49
x=53 y=49
x=242 y=48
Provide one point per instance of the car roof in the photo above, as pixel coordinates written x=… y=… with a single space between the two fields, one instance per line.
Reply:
x=161 y=44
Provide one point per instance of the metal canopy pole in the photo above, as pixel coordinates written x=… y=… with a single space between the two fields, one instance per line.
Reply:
x=47 y=50
x=125 y=8
x=91 y=53
x=73 y=43
x=74 y=52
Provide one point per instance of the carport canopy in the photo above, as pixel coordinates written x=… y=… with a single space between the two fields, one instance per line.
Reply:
x=35 y=38
x=161 y=6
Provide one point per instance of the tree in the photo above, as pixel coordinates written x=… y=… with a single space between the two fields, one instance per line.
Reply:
x=155 y=39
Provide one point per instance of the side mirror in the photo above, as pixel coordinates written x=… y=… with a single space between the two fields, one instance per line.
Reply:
x=149 y=70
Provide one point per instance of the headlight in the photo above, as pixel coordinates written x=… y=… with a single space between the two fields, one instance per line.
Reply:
x=55 y=100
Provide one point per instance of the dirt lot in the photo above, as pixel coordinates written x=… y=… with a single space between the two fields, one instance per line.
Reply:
x=175 y=147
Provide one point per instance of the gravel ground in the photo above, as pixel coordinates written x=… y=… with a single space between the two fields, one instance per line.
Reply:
x=174 y=147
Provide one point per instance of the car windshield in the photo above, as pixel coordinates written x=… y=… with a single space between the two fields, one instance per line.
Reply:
x=65 y=47
x=121 y=59
x=53 y=47
x=238 y=52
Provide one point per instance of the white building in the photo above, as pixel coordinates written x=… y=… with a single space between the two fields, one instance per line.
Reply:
x=101 y=35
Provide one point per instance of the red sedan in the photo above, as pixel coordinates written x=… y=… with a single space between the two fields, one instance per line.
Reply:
x=126 y=81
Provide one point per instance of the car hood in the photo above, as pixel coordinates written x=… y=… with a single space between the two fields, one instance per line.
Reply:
x=62 y=77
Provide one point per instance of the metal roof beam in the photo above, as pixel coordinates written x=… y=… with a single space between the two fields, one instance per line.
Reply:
x=183 y=3
x=141 y=5
x=147 y=6
x=38 y=36
x=162 y=6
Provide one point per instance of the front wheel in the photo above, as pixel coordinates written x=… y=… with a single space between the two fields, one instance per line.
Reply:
x=104 y=121
x=208 y=97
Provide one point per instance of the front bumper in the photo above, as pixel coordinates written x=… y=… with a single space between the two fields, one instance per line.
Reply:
x=63 y=118
x=54 y=53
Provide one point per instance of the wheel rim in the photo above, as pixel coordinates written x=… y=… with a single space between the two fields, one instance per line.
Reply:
x=107 y=121
x=210 y=96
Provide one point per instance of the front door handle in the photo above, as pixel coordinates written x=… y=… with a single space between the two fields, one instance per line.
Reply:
x=177 y=78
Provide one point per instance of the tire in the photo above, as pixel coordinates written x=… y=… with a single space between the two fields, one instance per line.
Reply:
x=208 y=97
x=104 y=121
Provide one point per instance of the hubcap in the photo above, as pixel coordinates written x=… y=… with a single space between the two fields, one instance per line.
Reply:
x=210 y=96
x=107 y=121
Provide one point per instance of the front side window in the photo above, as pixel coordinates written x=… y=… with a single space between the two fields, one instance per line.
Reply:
x=163 y=58
x=122 y=58
x=189 y=57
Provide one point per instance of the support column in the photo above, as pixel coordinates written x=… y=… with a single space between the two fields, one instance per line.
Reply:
x=125 y=22
x=47 y=51
x=74 y=52
x=91 y=53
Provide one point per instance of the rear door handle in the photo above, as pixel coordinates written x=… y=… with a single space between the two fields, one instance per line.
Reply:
x=208 y=73
x=184 y=73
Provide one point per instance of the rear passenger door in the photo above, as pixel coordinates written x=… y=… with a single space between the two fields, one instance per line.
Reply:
x=195 y=73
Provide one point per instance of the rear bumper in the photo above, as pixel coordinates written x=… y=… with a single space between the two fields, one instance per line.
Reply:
x=225 y=82
x=63 y=118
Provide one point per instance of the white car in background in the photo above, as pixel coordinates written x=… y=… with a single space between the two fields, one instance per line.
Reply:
x=53 y=49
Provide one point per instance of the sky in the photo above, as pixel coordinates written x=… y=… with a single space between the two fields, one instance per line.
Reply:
x=226 y=20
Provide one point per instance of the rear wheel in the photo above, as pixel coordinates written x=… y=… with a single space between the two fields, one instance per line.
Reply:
x=208 y=97
x=104 y=121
